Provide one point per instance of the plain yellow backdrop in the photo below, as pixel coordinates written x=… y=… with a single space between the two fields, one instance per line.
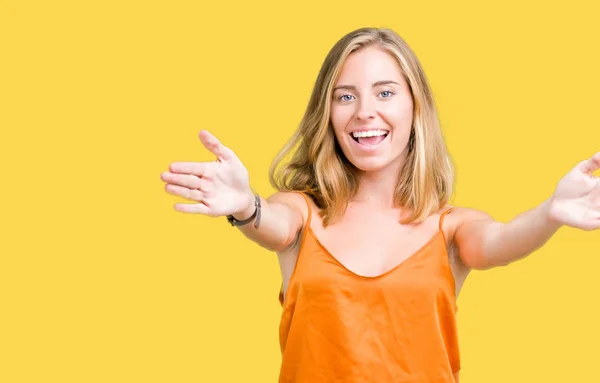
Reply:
x=102 y=281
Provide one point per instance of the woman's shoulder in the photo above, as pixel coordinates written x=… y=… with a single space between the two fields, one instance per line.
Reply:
x=294 y=199
x=289 y=196
x=455 y=216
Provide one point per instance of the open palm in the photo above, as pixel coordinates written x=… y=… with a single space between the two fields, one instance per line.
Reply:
x=576 y=200
x=218 y=188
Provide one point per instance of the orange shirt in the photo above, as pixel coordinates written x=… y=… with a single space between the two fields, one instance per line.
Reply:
x=338 y=326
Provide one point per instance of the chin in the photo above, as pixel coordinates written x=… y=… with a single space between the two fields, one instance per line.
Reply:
x=371 y=164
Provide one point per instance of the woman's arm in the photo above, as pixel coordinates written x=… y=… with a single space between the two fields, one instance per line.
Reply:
x=484 y=243
x=283 y=216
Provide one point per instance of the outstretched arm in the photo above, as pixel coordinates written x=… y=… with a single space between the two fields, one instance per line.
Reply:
x=222 y=188
x=484 y=243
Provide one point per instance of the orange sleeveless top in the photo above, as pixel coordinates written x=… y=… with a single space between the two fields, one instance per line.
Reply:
x=338 y=326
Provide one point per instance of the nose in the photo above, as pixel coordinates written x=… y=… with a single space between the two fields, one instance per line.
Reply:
x=366 y=109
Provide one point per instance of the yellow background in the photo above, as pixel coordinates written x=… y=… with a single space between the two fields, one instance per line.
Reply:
x=102 y=281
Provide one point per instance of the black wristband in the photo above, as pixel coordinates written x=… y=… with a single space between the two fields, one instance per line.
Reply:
x=256 y=214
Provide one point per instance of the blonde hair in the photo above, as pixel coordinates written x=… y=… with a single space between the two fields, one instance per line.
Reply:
x=320 y=169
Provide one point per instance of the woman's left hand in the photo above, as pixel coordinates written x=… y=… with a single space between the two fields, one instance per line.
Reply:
x=576 y=200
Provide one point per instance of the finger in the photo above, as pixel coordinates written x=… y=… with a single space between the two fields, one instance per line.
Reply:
x=590 y=165
x=594 y=225
x=185 y=180
x=211 y=143
x=192 y=208
x=195 y=168
x=180 y=191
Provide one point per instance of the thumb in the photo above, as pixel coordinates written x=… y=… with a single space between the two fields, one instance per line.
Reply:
x=211 y=143
x=590 y=165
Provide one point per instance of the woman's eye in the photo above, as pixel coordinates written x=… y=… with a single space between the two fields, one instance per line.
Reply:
x=345 y=97
x=386 y=93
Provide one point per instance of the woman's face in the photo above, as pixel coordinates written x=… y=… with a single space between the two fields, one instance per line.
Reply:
x=372 y=110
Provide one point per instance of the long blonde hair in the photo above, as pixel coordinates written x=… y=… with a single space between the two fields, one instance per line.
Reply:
x=320 y=169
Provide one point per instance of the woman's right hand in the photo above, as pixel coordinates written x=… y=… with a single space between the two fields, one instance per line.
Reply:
x=218 y=188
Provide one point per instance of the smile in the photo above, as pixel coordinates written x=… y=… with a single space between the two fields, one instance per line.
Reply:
x=369 y=138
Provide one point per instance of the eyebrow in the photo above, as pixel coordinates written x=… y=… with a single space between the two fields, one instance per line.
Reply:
x=378 y=83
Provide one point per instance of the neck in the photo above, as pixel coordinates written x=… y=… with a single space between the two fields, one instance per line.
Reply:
x=377 y=188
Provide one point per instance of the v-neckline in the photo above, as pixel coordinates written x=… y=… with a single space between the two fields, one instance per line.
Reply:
x=399 y=265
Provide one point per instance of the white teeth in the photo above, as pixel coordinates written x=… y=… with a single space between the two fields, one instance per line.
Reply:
x=369 y=133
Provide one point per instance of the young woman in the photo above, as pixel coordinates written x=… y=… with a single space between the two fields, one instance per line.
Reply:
x=371 y=253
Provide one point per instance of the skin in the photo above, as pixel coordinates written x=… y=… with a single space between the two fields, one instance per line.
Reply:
x=372 y=93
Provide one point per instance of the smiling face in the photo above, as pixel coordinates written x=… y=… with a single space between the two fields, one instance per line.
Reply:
x=372 y=110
